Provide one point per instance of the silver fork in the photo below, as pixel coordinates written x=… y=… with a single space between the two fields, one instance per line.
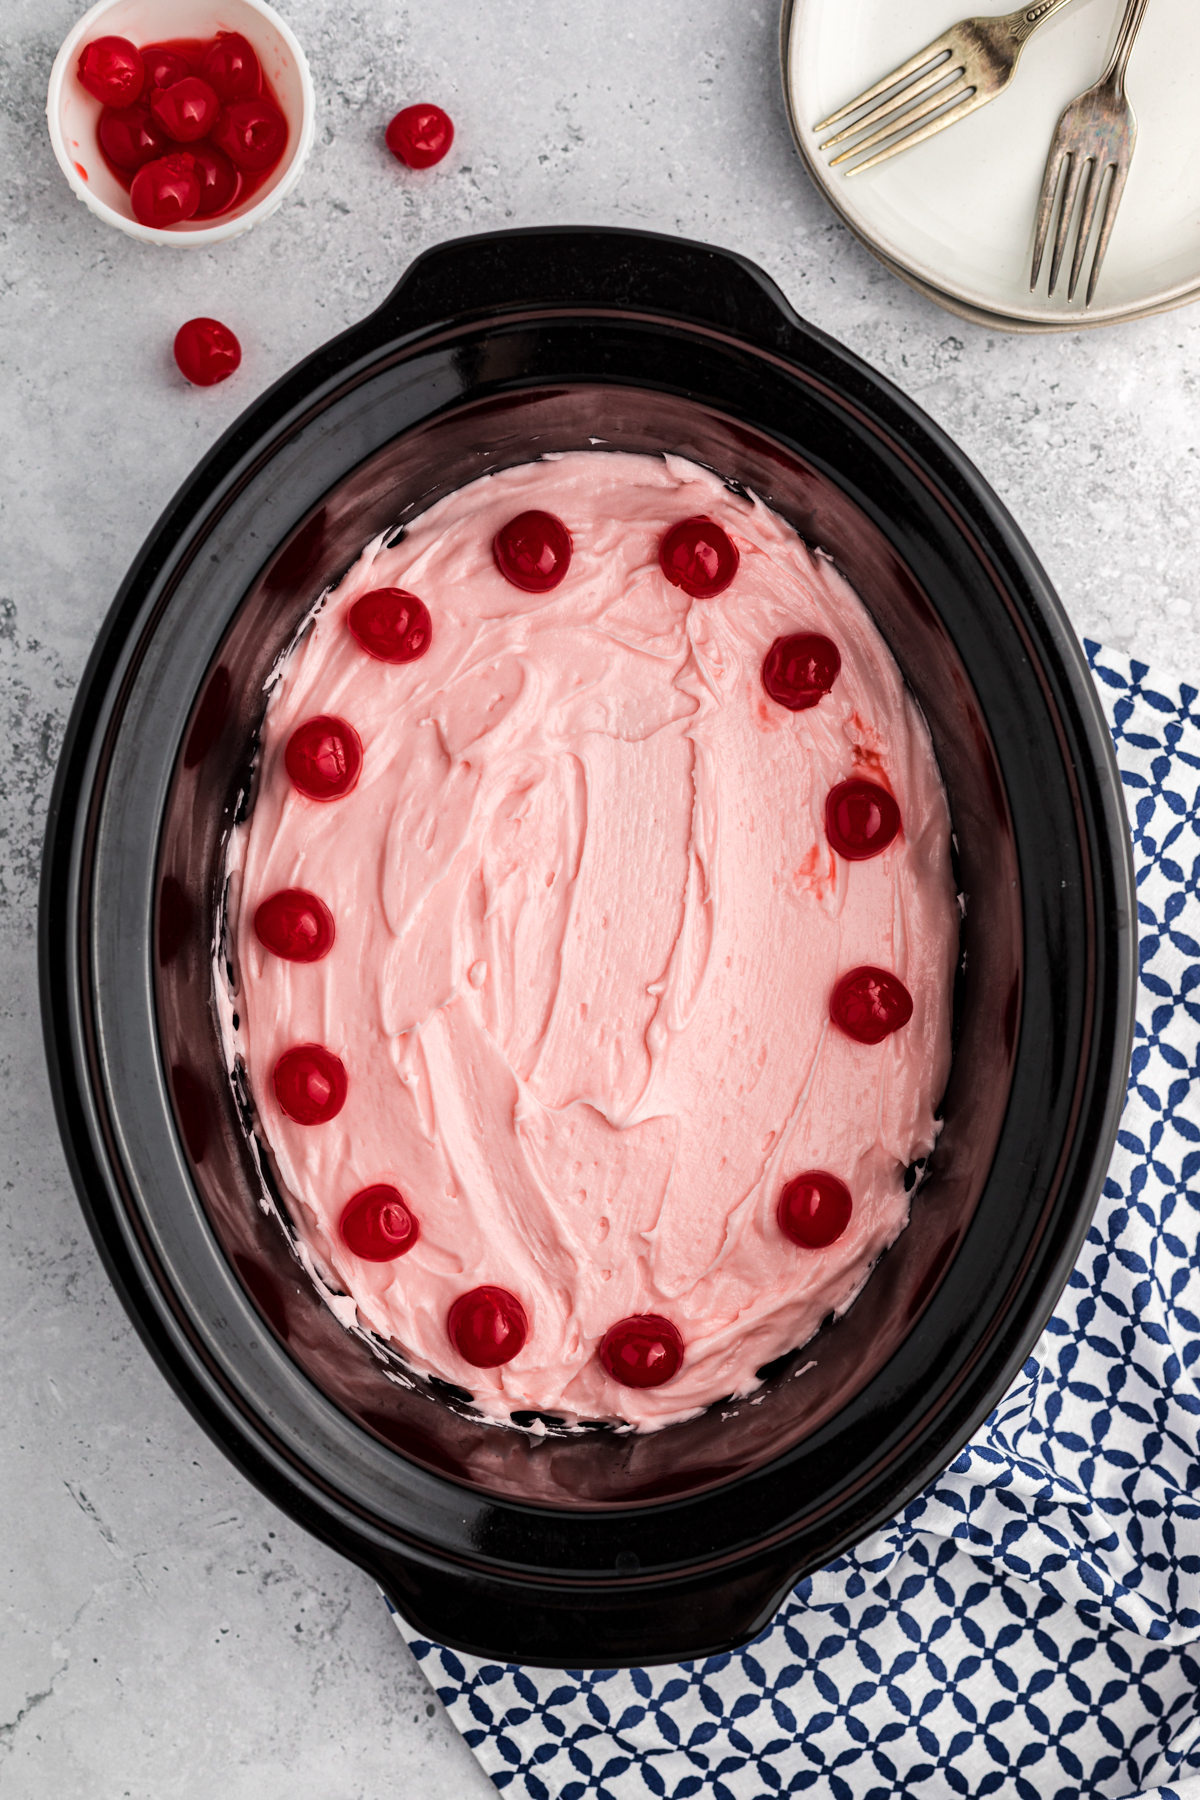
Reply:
x=971 y=63
x=1097 y=132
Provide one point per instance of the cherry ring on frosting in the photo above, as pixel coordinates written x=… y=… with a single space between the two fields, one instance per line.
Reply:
x=323 y=757
x=533 y=551
x=487 y=1326
x=798 y=671
x=699 y=557
x=111 y=70
x=861 y=819
x=295 y=925
x=814 y=1209
x=869 y=1004
x=391 y=625
x=310 y=1084
x=420 y=135
x=206 y=351
x=643 y=1351
x=378 y=1224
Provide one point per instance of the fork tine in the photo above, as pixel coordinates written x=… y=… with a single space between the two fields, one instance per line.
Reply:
x=910 y=118
x=1050 y=181
x=898 y=102
x=974 y=98
x=911 y=67
x=1091 y=195
x=1069 y=191
x=1115 y=187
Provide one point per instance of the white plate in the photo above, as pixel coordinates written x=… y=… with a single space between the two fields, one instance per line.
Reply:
x=954 y=216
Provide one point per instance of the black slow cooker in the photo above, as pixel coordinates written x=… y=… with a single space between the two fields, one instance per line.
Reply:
x=593 y=1549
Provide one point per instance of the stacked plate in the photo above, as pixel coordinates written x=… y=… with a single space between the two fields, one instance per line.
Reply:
x=954 y=216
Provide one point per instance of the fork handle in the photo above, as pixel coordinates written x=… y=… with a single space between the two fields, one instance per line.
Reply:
x=1131 y=24
x=1025 y=22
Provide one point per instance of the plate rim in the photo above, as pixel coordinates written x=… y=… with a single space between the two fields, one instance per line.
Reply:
x=953 y=299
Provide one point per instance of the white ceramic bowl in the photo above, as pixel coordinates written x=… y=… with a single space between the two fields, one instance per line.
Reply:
x=73 y=114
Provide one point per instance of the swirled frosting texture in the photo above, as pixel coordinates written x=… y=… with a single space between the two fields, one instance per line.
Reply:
x=588 y=924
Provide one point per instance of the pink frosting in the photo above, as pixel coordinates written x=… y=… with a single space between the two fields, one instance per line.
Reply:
x=587 y=928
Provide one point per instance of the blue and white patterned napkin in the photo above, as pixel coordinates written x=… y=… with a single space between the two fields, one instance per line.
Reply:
x=1030 y=1625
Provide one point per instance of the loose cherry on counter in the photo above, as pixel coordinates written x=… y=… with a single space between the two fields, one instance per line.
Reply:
x=186 y=111
x=310 y=1084
x=391 y=625
x=111 y=70
x=799 y=671
x=165 y=192
x=697 y=556
x=861 y=819
x=219 y=180
x=323 y=757
x=642 y=1351
x=379 y=1225
x=206 y=351
x=232 y=68
x=533 y=551
x=420 y=135
x=814 y=1209
x=487 y=1326
x=130 y=138
x=296 y=925
x=252 y=133
x=163 y=66
x=869 y=1004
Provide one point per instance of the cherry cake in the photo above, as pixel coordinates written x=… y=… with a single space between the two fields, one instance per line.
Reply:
x=593 y=932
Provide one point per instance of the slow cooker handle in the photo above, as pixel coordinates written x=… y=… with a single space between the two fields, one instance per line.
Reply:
x=585 y=267
x=611 y=1625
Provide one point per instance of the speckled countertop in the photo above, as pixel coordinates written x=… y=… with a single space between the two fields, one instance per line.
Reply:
x=166 y=1632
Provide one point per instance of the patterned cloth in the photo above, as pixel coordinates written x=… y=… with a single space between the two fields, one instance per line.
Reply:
x=1028 y=1626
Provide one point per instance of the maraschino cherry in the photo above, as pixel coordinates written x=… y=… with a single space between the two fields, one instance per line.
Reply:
x=323 y=757
x=111 y=70
x=186 y=111
x=219 y=180
x=420 y=136
x=697 y=556
x=487 y=1326
x=212 y=97
x=861 y=819
x=310 y=1084
x=296 y=925
x=533 y=551
x=391 y=625
x=163 y=66
x=814 y=1209
x=232 y=68
x=130 y=138
x=379 y=1225
x=206 y=351
x=799 y=671
x=869 y=1004
x=165 y=192
x=642 y=1351
x=252 y=133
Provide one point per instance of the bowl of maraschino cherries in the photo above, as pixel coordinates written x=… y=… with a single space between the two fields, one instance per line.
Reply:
x=180 y=121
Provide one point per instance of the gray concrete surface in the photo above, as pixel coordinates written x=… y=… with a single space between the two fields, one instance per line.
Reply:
x=165 y=1631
